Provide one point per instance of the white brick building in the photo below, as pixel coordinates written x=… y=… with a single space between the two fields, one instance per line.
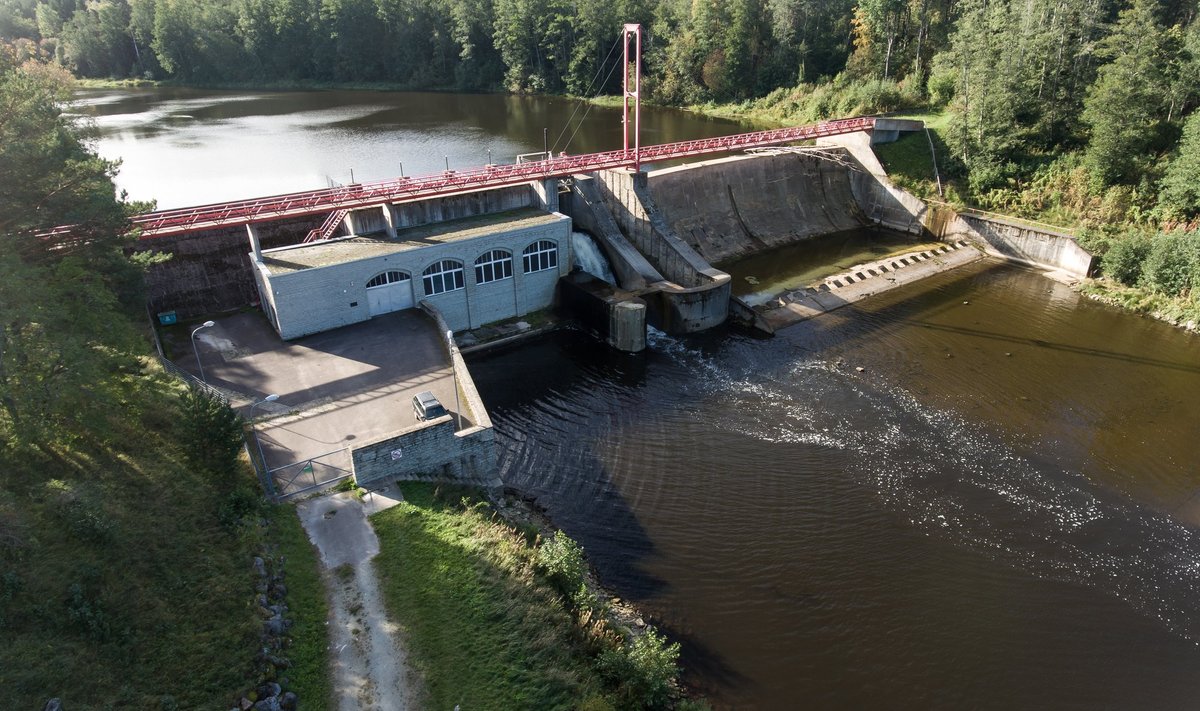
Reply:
x=475 y=270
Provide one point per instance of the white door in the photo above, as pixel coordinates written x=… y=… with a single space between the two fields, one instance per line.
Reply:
x=390 y=297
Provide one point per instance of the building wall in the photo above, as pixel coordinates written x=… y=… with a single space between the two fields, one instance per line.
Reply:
x=323 y=298
x=208 y=272
x=429 y=451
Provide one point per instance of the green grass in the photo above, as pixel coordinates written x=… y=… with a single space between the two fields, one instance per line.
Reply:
x=1177 y=310
x=308 y=651
x=123 y=586
x=484 y=629
x=164 y=603
x=909 y=162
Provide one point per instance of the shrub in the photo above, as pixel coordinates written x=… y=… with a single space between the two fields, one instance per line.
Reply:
x=242 y=504
x=561 y=559
x=642 y=671
x=1173 y=263
x=86 y=614
x=1124 y=259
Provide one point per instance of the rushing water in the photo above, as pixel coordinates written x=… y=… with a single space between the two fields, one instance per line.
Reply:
x=193 y=146
x=588 y=257
x=997 y=512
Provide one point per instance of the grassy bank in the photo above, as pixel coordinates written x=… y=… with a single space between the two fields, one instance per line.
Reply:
x=125 y=582
x=125 y=571
x=487 y=625
x=308 y=676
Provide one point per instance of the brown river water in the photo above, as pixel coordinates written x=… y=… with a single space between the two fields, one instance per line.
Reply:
x=1000 y=511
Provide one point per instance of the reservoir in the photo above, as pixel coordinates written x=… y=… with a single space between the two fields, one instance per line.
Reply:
x=998 y=510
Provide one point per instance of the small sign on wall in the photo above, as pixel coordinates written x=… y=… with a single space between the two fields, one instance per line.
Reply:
x=397 y=454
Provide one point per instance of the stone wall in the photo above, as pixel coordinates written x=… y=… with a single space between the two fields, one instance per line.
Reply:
x=210 y=272
x=429 y=451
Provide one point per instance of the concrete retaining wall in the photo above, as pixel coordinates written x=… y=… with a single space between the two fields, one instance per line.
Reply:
x=878 y=201
x=588 y=212
x=734 y=207
x=1027 y=244
x=209 y=272
x=697 y=297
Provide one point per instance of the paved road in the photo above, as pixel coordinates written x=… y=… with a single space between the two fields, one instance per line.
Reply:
x=335 y=389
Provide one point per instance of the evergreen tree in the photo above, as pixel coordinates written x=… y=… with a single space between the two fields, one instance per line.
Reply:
x=1126 y=106
x=1179 y=199
x=210 y=431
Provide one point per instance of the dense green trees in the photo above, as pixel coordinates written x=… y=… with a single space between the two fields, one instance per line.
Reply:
x=64 y=336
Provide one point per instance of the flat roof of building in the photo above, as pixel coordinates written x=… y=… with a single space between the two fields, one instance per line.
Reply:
x=295 y=258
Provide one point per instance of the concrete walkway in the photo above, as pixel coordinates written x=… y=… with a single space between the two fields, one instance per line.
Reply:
x=370 y=663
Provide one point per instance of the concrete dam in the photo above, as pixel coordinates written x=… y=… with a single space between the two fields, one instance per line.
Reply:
x=662 y=232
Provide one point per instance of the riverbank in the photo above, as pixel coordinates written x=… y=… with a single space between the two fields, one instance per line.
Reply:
x=492 y=607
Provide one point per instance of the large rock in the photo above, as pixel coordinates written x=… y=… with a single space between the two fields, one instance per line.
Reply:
x=288 y=701
x=277 y=626
x=268 y=690
x=268 y=704
x=260 y=567
x=54 y=704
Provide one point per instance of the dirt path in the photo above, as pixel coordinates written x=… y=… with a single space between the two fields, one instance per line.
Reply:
x=370 y=664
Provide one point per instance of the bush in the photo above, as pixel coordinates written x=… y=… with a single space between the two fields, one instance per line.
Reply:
x=1173 y=263
x=642 y=671
x=242 y=505
x=561 y=559
x=1125 y=257
x=86 y=614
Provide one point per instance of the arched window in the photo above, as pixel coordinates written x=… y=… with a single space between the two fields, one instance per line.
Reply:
x=443 y=276
x=386 y=278
x=539 y=256
x=493 y=266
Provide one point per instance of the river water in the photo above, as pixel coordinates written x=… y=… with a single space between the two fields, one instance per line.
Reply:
x=998 y=511
x=186 y=147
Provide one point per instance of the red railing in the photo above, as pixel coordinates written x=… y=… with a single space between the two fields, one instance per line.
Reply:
x=328 y=227
x=205 y=217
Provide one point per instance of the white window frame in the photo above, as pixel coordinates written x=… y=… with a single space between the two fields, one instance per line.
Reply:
x=442 y=277
x=540 y=256
x=389 y=277
x=492 y=266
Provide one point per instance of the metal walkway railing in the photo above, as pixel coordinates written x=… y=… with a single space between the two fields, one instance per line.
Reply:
x=328 y=200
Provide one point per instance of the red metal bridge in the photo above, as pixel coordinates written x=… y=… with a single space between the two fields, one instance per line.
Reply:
x=361 y=195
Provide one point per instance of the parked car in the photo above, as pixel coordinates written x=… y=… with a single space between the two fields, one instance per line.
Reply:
x=426 y=406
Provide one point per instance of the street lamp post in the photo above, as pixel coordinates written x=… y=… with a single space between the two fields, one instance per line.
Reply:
x=454 y=371
x=257 y=441
x=206 y=324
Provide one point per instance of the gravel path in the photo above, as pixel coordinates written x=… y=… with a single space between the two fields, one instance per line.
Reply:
x=370 y=664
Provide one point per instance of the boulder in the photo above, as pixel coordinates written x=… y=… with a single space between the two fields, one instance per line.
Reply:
x=54 y=704
x=268 y=690
x=276 y=626
x=260 y=567
x=268 y=704
x=288 y=701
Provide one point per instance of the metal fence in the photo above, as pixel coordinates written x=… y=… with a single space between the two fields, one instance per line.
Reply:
x=309 y=475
